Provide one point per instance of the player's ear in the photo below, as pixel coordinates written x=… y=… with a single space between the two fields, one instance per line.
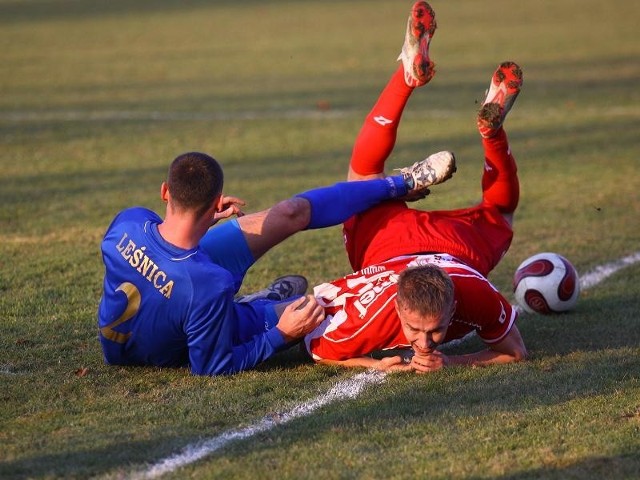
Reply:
x=219 y=203
x=164 y=192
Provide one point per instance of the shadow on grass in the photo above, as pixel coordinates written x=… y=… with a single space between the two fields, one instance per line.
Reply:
x=11 y=12
x=601 y=467
x=604 y=319
x=68 y=191
x=90 y=461
x=449 y=397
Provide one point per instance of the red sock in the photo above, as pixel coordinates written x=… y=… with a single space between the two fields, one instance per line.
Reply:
x=377 y=136
x=500 y=185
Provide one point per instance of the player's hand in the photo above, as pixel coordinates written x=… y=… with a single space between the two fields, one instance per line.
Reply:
x=392 y=364
x=228 y=207
x=414 y=197
x=300 y=317
x=428 y=363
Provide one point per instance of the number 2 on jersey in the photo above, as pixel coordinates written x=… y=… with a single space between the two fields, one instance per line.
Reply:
x=133 y=304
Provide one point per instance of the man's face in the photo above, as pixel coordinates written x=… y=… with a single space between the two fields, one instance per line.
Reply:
x=424 y=333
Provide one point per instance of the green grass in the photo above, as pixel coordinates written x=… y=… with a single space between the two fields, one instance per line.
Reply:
x=98 y=97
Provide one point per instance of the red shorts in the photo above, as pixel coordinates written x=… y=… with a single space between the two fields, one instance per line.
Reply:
x=478 y=236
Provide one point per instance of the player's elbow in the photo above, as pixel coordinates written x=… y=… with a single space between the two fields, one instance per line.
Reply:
x=513 y=345
x=520 y=353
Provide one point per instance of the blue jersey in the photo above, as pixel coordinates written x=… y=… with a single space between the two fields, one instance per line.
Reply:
x=170 y=307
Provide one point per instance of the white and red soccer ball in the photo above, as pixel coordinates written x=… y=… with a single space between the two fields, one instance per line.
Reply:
x=546 y=283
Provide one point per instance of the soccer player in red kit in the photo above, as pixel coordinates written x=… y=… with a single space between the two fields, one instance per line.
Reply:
x=420 y=276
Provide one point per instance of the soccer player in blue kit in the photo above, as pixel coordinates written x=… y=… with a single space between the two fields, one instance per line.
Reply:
x=169 y=284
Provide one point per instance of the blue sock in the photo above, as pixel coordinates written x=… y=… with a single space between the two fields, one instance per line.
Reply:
x=335 y=204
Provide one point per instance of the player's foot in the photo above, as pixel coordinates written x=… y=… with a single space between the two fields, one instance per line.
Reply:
x=502 y=93
x=421 y=25
x=280 y=289
x=435 y=169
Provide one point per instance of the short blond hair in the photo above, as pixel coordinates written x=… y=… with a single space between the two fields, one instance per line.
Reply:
x=427 y=290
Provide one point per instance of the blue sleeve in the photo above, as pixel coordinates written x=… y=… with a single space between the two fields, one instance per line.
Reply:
x=214 y=343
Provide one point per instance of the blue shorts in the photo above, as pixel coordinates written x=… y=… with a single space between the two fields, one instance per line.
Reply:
x=227 y=247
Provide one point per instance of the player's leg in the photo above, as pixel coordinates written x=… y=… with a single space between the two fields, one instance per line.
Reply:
x=500 y=186
x=236 y=245
x=318 y=208
x=377 y=137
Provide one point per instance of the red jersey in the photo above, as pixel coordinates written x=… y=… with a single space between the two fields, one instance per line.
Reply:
x=478 y=236
x=361 y=315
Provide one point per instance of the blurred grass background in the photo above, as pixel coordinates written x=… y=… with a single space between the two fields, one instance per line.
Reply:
x=98 y=97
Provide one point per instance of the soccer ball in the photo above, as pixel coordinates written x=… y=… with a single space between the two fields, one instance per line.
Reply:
x=546 y=283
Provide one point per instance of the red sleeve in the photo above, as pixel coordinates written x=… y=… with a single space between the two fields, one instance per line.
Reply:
x=479 y=307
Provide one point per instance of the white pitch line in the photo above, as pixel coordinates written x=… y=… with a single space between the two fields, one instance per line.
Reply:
x=598 y=274
x=349 y=388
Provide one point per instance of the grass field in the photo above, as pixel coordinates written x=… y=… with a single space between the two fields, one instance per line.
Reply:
x=98 y=97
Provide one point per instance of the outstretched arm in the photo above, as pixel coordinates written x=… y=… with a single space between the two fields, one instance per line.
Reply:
x=510 y=349
x=386 y=364
x=216 y=347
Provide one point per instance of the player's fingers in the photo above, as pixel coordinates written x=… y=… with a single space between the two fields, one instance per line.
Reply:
x=420 y=363
x=420 y=368
x=312 y=312
x=228 y=199
x=395 y=363
x=396 y=359
x=237 y=212
x=310 y=303
x=318 y=309
x=226 y=213
x=313 y=309
x=298 y=303
x=229 y=206
x=427 y=363
x=400 y=368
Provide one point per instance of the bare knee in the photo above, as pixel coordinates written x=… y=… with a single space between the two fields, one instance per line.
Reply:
x=294 y=214
x=263 y=230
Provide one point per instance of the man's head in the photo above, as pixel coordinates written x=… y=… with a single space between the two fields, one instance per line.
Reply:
x=425 y=304
x=194 y=182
